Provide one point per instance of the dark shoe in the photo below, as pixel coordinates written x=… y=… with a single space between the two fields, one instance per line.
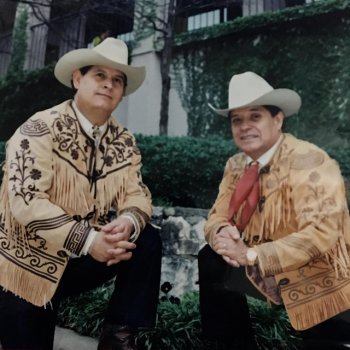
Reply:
x=116 y=337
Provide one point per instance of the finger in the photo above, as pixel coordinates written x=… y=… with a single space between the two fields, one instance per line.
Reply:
x=122 y=257
x=113 y=225
x=108 y=227
x=116 y=252
x=125 y=245
x=116 y=237
x=230 y=261
x=222 y=251
x=222 y=244
x=116 y=229
x=112 y=262
x=222 y=235
x=219 y=240
x=235 y=235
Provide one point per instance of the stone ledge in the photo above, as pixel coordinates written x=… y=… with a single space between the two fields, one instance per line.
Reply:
x=66 y=339
x=182 y=236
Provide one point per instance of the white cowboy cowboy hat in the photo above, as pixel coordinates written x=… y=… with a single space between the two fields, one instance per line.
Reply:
x=249 y=89
x=111 y=53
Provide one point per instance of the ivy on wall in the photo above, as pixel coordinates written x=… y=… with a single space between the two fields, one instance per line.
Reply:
x=310 y=55
x=19 y=44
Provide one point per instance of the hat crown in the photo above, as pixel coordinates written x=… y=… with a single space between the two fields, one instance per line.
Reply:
x=111 y=53
x=245 y=88
x=249 y=89
x=113 y=49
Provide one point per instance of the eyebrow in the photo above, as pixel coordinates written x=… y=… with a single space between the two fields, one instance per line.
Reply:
x=119 y=75
x=252 y=109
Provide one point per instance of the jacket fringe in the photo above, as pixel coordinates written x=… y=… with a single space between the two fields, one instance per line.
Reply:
x=104 y=188
x=15 y=278
x=338 y=258
x=277 y=214
x=15 y=232
x=66 y=182
x=307 y=315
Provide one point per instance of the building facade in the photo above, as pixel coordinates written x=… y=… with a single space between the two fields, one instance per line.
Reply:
x=55 y=27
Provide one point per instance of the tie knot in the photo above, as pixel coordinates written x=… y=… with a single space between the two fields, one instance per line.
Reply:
x=96 y=132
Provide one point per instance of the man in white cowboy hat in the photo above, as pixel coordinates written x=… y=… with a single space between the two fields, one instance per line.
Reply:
x=281 y=218
x=66 y=167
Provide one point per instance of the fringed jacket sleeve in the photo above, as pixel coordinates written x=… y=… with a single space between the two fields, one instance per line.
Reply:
x=30 y=171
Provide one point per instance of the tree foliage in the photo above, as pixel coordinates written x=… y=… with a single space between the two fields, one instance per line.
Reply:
x=19 y=44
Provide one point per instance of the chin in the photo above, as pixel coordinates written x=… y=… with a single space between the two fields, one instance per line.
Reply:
x=252 y=153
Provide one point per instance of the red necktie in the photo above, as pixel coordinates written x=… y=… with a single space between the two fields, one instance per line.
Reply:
x=246 y=194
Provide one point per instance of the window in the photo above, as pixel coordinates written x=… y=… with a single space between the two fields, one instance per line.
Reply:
x=197 y=14
x=116 y=17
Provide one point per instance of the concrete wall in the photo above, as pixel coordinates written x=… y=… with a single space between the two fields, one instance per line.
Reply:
x=140 y=112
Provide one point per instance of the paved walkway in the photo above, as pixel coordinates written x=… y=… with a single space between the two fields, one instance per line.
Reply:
x=65 y=339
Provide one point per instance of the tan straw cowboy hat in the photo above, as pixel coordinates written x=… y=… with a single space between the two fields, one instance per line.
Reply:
x=111 y=53
x=249 y=89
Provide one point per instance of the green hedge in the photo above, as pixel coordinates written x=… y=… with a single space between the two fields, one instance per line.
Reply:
x=186 y=171
x=180 y=171
x=22 y=96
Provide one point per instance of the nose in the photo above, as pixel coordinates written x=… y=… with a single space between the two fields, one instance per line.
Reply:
x=107 y=84
x=245 y=125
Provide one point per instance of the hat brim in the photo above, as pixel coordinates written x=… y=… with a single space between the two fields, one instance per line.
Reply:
x=77 y=59
x=285 y=99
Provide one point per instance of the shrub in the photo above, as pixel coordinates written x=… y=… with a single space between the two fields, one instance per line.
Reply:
x=186 y=171
x=16 y=97
x=178 y=322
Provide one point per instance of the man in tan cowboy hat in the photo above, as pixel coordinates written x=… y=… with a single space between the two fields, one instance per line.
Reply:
x=281 y=218
x=66 y=167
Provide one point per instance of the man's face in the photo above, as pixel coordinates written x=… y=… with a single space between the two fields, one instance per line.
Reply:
x=99 y=91
x=254 y=129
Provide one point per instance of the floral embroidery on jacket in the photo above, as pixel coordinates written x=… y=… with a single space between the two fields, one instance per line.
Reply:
x=24 y=182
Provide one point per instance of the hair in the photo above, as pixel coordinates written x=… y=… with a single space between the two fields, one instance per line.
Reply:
x=83 y=71
x=274 y=110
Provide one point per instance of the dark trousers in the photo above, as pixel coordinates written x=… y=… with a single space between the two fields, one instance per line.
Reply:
x=225 y=313
x=134 y=300
x=333 y=334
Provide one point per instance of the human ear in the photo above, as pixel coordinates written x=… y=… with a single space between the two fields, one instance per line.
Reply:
x=76 y=76
x=279 y=118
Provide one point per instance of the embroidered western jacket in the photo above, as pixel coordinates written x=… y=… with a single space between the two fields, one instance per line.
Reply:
x=300 y=229
x=57 y=185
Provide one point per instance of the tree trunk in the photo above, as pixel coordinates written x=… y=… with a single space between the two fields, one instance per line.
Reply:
x=165 y=62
